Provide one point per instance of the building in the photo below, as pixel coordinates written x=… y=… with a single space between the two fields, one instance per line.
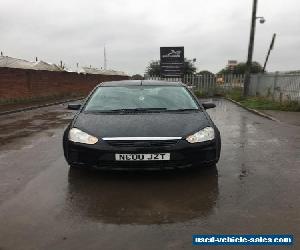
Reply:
x=232 y=64
x=10 y=62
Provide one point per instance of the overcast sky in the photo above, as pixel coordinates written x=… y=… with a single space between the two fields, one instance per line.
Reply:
x=212 y=31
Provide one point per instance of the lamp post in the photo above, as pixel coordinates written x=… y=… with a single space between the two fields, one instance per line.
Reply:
x=251 y=46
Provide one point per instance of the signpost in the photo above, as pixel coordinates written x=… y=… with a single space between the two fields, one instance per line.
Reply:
x=171 y=61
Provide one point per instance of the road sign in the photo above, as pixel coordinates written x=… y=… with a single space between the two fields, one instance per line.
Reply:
x=171 y=61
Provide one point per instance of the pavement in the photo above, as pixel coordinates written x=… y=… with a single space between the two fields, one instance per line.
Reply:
x=44 y=205
x=11 y=108
x=292 y=118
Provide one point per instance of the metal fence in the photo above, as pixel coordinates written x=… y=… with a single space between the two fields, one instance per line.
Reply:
x=278 y=86
x=207 y=85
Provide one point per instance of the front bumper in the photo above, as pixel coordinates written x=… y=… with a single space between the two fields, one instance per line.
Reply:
x=102 y=155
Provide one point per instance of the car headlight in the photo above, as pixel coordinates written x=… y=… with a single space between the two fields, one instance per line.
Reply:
x=76 y=135
x=206 y=134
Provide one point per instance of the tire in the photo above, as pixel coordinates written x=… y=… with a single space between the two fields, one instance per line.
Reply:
x=72 y=166
x=212 y=165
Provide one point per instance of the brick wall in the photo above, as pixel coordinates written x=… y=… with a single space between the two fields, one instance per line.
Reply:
x=23 y=83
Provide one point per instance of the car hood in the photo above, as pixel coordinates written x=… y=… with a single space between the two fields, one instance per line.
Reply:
x=141 y=124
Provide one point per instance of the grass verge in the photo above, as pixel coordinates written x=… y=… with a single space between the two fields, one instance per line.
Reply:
x=261 y=103
x=204 y=94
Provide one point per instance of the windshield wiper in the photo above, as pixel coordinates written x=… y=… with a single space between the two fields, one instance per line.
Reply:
x=133 y=110
x=130 y=110
x=139 y=110
x=183 y=109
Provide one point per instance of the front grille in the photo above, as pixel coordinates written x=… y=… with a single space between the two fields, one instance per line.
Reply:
x=144 y=143
x=143 y=165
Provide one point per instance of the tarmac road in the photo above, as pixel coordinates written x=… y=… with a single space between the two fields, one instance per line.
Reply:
x=44 y=205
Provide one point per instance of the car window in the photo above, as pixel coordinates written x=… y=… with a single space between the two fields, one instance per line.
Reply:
x=141 y=97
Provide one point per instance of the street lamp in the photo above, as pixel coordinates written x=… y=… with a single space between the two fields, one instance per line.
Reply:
x=261 y=19
x=251 y=46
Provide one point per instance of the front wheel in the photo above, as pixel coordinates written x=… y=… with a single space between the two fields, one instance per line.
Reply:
x=72 y=166
x=212 y=165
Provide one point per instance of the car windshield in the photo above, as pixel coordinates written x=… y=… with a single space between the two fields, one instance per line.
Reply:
x=141 y=98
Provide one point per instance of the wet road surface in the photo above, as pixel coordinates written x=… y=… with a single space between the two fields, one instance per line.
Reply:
x=44 y=205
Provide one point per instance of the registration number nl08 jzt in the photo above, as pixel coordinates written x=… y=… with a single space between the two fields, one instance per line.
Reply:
x=143 y=157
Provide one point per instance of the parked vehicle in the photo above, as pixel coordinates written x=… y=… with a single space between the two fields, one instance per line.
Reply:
x=141 y=125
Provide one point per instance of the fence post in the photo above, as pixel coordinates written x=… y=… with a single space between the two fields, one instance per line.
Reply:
x=254 y=84
x=275 y=86
x=209 y=84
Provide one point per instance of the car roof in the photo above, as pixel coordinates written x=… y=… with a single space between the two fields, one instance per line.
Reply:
x=140 y=83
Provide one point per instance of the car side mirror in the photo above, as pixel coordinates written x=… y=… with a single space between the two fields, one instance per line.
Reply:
x=208 y=105
x=74 y=106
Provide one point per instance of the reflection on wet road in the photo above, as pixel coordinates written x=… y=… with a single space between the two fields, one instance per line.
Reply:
x=136 y=198
x=44 y=205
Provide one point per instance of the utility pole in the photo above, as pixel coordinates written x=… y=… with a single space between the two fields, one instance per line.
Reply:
x=269 y=51
x=105 y=62
x=250 y=49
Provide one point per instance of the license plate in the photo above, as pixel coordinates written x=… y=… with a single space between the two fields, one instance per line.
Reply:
x=143 y=157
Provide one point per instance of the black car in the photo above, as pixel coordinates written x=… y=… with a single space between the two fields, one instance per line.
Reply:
x=141 y=125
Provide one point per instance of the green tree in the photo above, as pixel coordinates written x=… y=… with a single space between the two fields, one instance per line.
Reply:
x=153 y=69
x=137 y=77
x=205 y=72
x=189 y=67
x=241 y=68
